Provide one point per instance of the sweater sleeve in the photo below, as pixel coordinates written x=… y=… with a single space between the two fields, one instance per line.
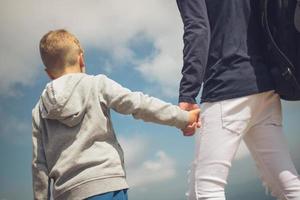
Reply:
x=196 y=45
x=41 y=181
x=142 y=106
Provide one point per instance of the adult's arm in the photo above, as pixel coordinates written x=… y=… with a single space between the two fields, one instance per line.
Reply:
x=196 y=45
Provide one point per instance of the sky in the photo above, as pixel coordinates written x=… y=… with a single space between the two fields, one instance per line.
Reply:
x=138 y=43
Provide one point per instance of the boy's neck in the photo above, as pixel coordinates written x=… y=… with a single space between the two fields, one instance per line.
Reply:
x=70 y=70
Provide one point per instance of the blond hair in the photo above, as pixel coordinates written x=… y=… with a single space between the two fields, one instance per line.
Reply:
x=59 y=49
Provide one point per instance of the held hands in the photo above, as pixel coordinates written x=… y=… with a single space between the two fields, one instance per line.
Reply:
x=194 y=116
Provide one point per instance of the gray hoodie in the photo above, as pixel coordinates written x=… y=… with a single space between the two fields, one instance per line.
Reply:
x=74 y=143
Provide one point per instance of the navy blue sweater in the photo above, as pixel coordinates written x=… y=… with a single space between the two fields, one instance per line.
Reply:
x=222 y=49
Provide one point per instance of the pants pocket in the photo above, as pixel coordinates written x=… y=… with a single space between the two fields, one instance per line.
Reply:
x=236 y=114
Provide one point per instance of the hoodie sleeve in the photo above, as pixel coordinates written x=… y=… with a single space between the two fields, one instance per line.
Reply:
x=41 y=181
x=141 y=106
x=196 y=40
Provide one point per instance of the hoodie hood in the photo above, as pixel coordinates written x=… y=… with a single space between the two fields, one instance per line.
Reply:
x=64 y=99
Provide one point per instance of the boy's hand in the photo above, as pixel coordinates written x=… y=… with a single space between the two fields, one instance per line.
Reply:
x=193 y=123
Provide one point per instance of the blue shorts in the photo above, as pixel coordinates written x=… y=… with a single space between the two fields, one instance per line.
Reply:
x=116 y=195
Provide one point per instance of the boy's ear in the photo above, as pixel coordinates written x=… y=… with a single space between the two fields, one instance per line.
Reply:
x=49 y=74
x=81 y=60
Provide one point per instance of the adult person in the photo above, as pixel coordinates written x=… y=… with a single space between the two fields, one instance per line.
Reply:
x=222 y=50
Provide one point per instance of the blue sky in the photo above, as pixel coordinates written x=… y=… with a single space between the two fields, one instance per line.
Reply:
x=135 y=42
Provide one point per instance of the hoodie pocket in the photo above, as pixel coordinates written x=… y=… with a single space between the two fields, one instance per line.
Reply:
x=236 y=114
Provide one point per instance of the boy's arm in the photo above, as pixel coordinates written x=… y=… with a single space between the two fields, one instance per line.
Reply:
x=41 y=181
x=142 y=106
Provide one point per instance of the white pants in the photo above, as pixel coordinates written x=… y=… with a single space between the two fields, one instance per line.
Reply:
x=256 y=119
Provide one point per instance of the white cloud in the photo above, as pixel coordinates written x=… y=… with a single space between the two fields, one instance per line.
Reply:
x=106 y=25
x=134 y=148
x=141 y=171
x=152 y=171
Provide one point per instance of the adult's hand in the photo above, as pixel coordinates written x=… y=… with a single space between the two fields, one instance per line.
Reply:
x=188 y=106
x=190 y=130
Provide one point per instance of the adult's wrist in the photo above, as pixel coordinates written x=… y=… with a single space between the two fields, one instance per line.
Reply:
x=187 y=99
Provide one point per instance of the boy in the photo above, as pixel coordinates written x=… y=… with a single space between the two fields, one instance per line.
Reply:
x=74 y=143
